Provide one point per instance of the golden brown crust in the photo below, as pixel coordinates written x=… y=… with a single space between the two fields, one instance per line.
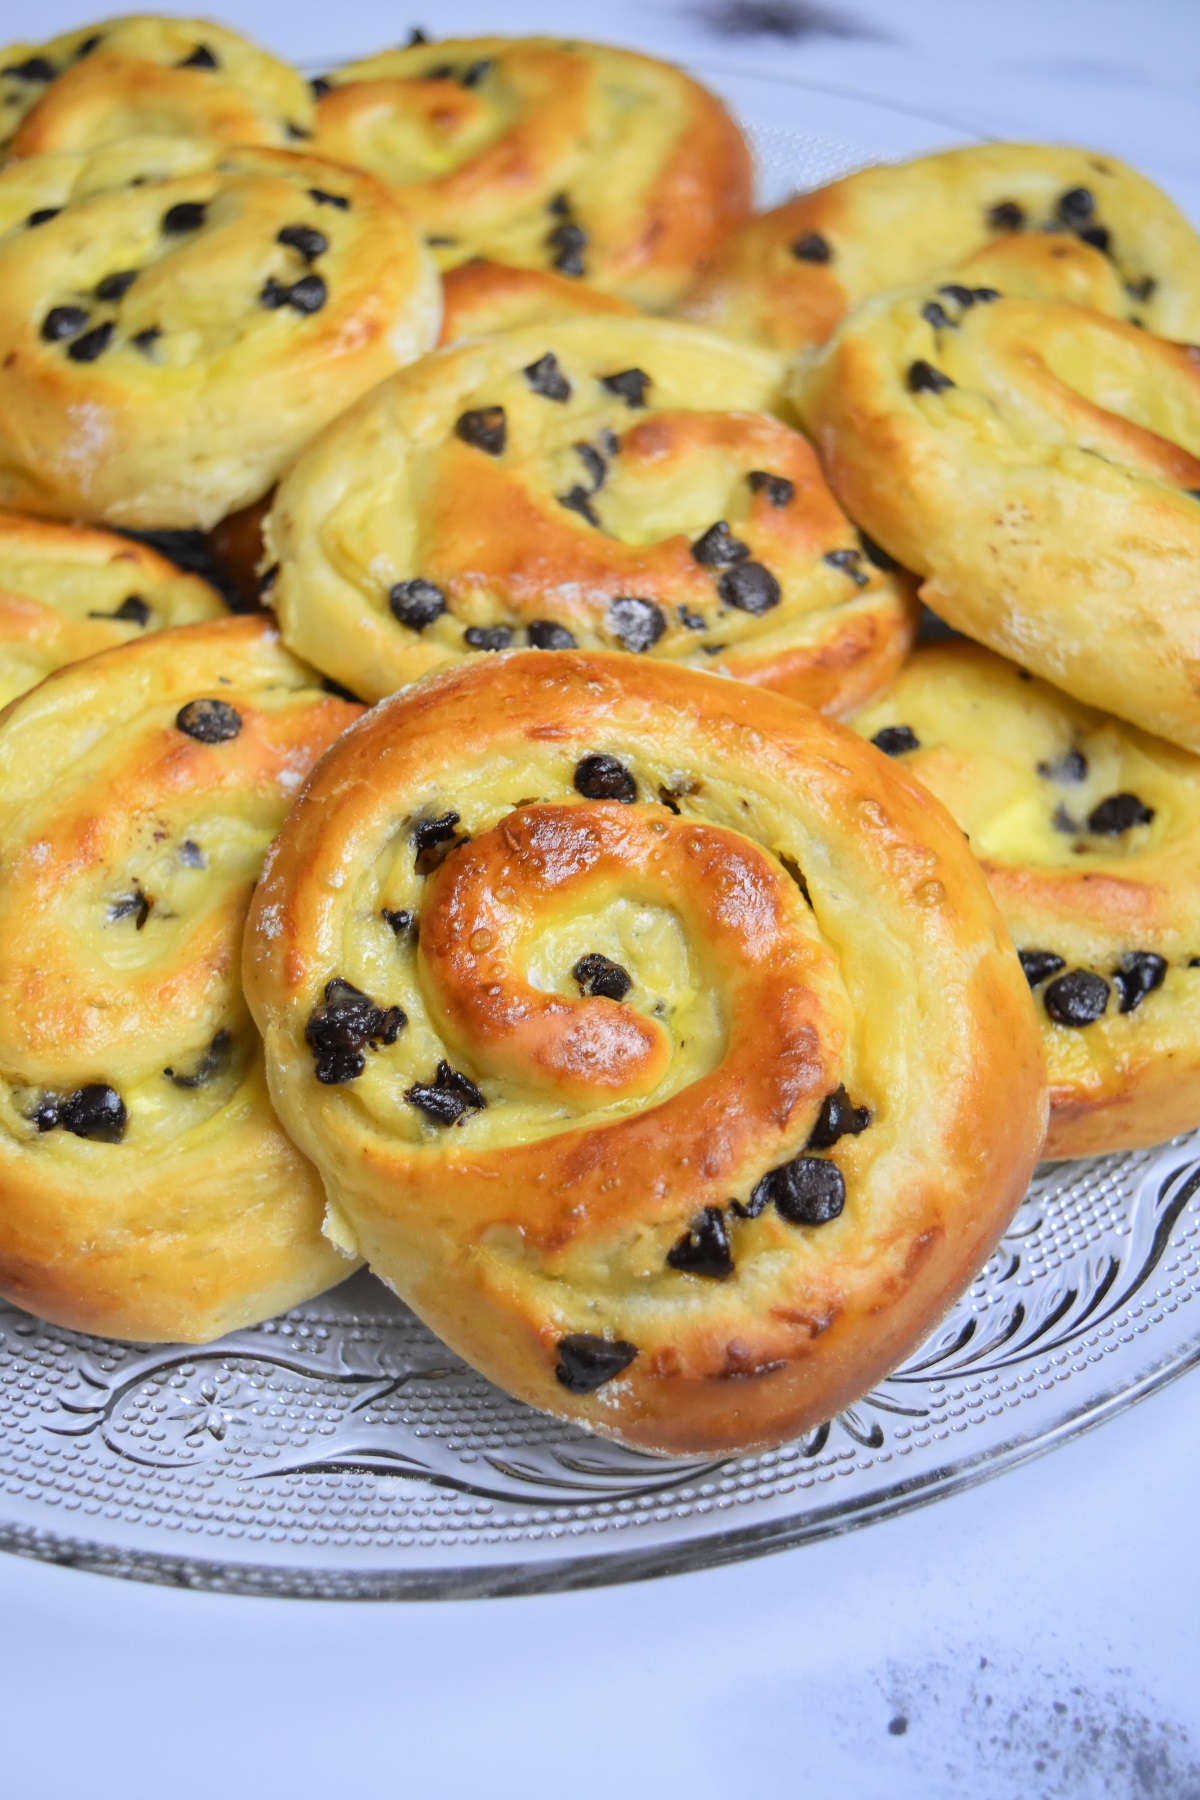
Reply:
x=147 y=1190
x=480 y=298
x=577 y=1165
x=787 y=277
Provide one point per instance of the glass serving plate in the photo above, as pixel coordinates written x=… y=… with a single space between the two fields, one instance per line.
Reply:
x=343 y=1452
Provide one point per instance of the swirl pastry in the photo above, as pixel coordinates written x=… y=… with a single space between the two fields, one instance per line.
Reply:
x=176 y=322
x=605 y=483
x=480 y=298
x=66 y=592
x=1089 y=835
x=1039 y=465
x=142 y=76
x=578 y=158
x=714 y=1076
x=146 y=1188
x=786 y=277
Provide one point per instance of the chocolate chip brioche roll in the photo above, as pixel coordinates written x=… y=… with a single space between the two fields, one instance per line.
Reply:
x=1089 y=835
x=176 y=322
x=599 y=483
x=595 y=163
x=147 y=1190
x=144 y=76
x=659 y=1042
x=785 y=278
x=1039 y=466
x=67 y=592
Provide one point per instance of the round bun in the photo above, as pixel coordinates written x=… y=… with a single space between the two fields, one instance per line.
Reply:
x=599 y=163
x=658 y=1040
x=146 y=1189
x=480 y=298
x=600 y=483
x=1089 y=835
x=175 y=323
x=787 y=277
x=1039 y=465
x=142 y=76
x=66 y=592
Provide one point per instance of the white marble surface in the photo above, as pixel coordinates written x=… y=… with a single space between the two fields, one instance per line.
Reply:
x=1038 y=1636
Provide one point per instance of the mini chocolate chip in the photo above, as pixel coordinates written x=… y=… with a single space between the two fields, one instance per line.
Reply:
x=185 y=215
x=34 y=68
x=691 y=621
x=416 y=36
x=308 y=295
x=545 y=634
x=318 y=87
x=600 y=777
x=1070 y=767
x=434 y=840
x=985 y=295
x=484 y=428
x=577 y=500
x=610 y=442
x=416 y=603
x=1006 y=215
x=560 y=206
x=704 y=1247
x=637 y=623
x=45 y=1114
x=1075 y=208
x=474 y=73
x=713 y=649
x=439 y=72
x=961 y=296
x=488 y=637
x=750 y=587
x=628 y=385
x=1040 y=965
x=875 y=553
x=201 y=58
x=1098 y=236
x=43 y=215
x=88 y=45
x=1144 y=289
x=132 y=611
x=63 y=322
x=937 y=316
x=296 y=132
x=838 y=1118
x=568 y=241
x=114 y=287
x=304 y=239
x=96 y=1111
x=92 y=344
x=778 y=489
x=341 y=1028
x=136 y=906
x=847 y=561
x=585 y=1363
x=146 y=340
x=601 y=978
x=1137 y=974
x=547 y=379
x=1077 y=999
x=594 y=463
x=923 y=378
x=209 y=721
x=323 y=197
x=896 y=740
x=1118 y=814
x=438 y=240
x=1063 y=821
x=718 y=547
x=210 y=1064
x=812 y=248
x=400 y=919
x=191 y=855
x=447 y=1098
x=809 y=1190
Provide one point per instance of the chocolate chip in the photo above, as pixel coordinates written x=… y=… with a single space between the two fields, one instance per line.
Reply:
x=1118 y=814
x=296 y=132
x=547 y=379
x=809 y=1190
x=63 y=322
x=484 y=428
x=923 y=378
x=601 y=978
x=488 y=637
x=560 y=206
x=308 y=295
x=750 y=587
x=1138 y=973
x=440 y=240
x=304 y=239
x=474 y=73
x=778 y=489
x=185 y=215
x=577 y=500
x=1077 y=999
x=628 y=385
x=146 y=340
x=1040 y=965
x=713 y=649
x=341 y=1028
x=211 y=1063
x=1006 y=215
x=132 y=611
x=114 y=287
x=594 y=463
x=875 y=553
x=600 y=777
x=43 y=215
x=447 y=1098
x=88 y=45
x=568 y=241
x=323 y=197
x=400 y=920
x=201 y=58
x=838 y=1118
x=585 y=1363
x=985 y=295
x=704 y=1247
x=896 y=740
x=96 y=1111
x=209 y=721
x=434 y=839
x=609 y=440
x=1144 y=289
x=318 y=87
x=34 y=68
x=1070 y=767
x=191 y=855
x=416 y=603
x=416 y=36
x=136 y=906
x=812 y=249
x=545 y=634
x=937 y=316
x=691 y=621
x=439 y=72
x=1098 y=236
x=92 y=344
x=1075 y=208
x=718 y=547
x=637 y=623
x=45 y=1114
x=848 y=562
x=961 y=296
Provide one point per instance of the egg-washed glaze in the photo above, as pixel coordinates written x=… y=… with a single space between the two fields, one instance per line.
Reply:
x=176 y=321
x=147 y=1190
x=603 y=165
x=144 y=75
x=599 y=483
x=658 y=1041
x=1038 y=464
x=480 y=298
x=1088 y=831
x=67 y=592
x=785 y=278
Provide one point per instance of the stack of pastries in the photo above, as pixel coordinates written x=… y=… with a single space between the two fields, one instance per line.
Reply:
x=499 y=900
